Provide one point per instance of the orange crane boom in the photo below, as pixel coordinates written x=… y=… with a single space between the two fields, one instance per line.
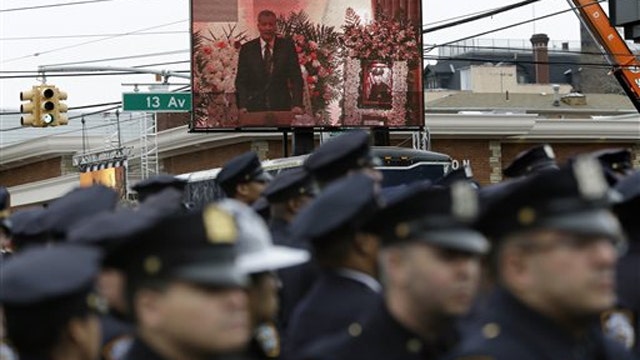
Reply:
x=626 y=67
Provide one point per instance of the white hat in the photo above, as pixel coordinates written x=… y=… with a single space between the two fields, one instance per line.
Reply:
x=256 y=252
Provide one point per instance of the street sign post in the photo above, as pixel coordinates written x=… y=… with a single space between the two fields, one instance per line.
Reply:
x=156 y=102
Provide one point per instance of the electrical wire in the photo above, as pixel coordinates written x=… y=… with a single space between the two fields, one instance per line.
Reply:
x=52 y=5
x=129 y=57
x=92 y=41
x=50 y=37
x=480 y=16
x=518 y=61
x=509 y=26
x=523 y=50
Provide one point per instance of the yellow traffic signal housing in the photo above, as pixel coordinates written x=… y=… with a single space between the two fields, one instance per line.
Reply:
x=32 y=108
x=53 y=112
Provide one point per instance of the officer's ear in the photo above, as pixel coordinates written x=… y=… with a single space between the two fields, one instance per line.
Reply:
x=393 y=261
x=79 y=331
x=295 y=204
x=242 y=189
x=512 y=263
x=366 y=244
x=148 y=307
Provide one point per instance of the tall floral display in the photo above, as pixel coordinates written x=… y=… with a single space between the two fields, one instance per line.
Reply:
x=379 y=57
x=215 y=63
x=319 y=58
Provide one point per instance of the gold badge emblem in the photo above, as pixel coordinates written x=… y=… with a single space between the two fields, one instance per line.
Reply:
x=526 y=216
x=152 y=265
x=219 y=225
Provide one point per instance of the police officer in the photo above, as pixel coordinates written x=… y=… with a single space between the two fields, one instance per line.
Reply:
x=615 y=162
x=106 y=231
x=288 y=193
x=5 y=206
x=184 y=287
x=430 y=264
x=49 y=305
x=623 y=322
x=463 y=173
x=156 y=184
x=27 y=228
x=347 y=285
x=530 y=161
x=243 y=178
x=347 y=153
x=556 y=243
x=76 y=206
x=259 y=257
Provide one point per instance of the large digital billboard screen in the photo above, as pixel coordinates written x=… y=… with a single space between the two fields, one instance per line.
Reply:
x=113 y=177
x=306 y=63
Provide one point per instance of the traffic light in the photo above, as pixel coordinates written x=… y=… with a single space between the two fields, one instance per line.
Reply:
x=44 y=107
x=53 y=112
x=32 y=108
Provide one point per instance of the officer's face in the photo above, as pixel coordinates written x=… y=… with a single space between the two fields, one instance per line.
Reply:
x=249 y=192
x=437 y=280
x=194 y=318
x=111 y=286
x=569 y=272
x=267 y=27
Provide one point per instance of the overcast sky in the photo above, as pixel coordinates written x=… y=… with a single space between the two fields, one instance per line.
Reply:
x=110 y=17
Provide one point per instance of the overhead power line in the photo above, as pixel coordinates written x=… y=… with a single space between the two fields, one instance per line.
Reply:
x=80 y=36
x=508 y=26
x=93 y=41
x=52 y=5
x=480 y=16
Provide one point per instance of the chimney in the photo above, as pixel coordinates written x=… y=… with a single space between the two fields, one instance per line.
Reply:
x=541 y=57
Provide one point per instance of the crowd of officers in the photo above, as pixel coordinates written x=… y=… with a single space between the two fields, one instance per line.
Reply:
x=320 y=262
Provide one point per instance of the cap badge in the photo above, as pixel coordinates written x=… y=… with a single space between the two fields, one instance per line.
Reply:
x=464 y=201
x=590 y=178
x=219 y=225
x=402 y=230
x=152 y=265
x=549 y=151
x=526 y=216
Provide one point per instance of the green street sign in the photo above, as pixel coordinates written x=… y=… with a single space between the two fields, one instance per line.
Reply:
x=156 y=102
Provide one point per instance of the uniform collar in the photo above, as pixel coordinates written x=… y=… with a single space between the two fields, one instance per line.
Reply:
x=362 y=278
x=544 y=333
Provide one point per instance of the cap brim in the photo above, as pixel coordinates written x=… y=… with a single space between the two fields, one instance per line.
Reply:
x=263 y=176
x=272 y=258
x=212 y=274
x=466 y=240
x=596 y=222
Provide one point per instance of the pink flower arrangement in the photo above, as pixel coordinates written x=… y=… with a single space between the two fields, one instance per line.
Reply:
x=381 y=40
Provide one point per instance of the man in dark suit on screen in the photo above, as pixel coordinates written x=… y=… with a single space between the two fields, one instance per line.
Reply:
x=269 y=76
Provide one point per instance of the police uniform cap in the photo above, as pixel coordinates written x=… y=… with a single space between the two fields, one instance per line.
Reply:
x=241 y=169
x=345 y=204
x=5 y=202
x=438 y=215
x=615 y=162
x=157 y=183
x=78 y=205
x=28 y=228
x=194 y=246
x=42 y=273
x=108 y=230
x=339 y=155
x=535 y=159
x=573 y=198
x=463 y=173
x=628 y=207
x=256 y=251
x=289 y=184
